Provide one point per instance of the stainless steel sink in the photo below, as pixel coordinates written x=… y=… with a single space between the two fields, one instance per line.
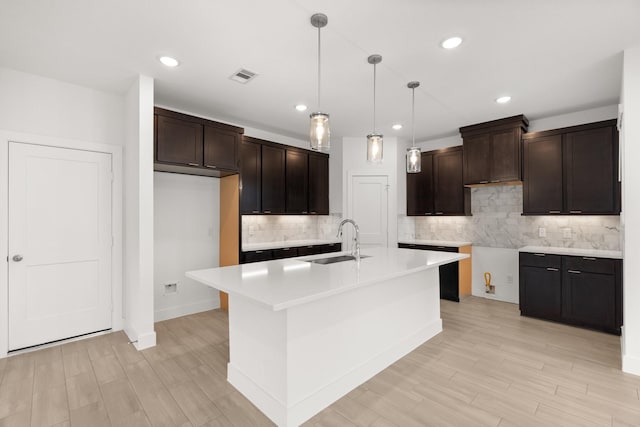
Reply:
x=334 y=259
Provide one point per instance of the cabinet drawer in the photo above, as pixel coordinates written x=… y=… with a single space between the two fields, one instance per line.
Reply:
x=590 y=264
x=256 y=256
x=285 y=253
x=540 y=260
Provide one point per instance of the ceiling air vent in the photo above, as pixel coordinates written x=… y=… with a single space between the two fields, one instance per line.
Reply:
x=243 y=76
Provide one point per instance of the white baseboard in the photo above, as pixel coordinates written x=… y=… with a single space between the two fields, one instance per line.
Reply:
x=147 y=340
x=631 y=364
x=185 y=309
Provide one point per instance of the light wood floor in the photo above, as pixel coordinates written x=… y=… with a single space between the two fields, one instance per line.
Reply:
x=490 y=367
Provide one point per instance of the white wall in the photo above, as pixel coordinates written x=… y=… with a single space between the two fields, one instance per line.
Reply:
x=43 y=106
x=138 y=214
x=354 y=160
x=631 y=210
x=502 y=264
x=572 y=119
x=186 y=237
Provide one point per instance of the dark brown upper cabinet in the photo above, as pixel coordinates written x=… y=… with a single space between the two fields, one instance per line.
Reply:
x=297 y=179
x=438 y=188
x=318 y=184
x=221 y=148
x=420 y=188
x=542 y=183
x=178 y=141
x=493 y=151
x=273 y=180
x=193 y=145
x=572 y=170
x=250 y=177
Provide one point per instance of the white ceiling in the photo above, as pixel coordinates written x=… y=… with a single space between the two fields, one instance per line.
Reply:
x=551 y=56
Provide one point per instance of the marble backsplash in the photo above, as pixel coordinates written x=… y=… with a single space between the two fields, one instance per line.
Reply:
x=272 y=228
x=497 y=222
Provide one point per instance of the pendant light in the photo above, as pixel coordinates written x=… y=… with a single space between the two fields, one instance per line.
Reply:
x=319 y=130
x=414 y=163
x=374 y=140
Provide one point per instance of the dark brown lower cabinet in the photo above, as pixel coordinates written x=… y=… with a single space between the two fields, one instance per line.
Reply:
x=288 y=252
x=581 y=291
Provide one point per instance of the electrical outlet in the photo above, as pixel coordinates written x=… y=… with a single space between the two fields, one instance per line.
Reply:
x=458 y=229
x=566 y=233
x=542 y=232
x=509 y=279
x=170 y=288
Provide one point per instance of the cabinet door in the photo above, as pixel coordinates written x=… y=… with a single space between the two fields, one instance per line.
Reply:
x=250 y=178
x=420 y=192
x=449 y=281
x=477 y=152
x=591 y=179
x=297 y=167
x=220 y=148
x=589 y=299
x=542 y=192
x=178 y=141
x=541 y=292
x=318 y=184
x=281 y=253
x=447 y=182
x=273 y=179
x=505 y=156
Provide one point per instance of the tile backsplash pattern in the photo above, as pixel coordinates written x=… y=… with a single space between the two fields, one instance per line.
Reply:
x=497 y=222
x=270 y=228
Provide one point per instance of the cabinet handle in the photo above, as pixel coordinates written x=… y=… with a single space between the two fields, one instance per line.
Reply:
x=439 y=213
x=259 y=252
x=211 y=166
x=194 y=164
x=575 y=211
x=495 y=180
x=304 y=212
x=255 y=211
x=265 y=211
x=588 y=258
x=554 y=212
x=313 y=212
x=540 y=254
x=551 y=269
x=483 y=182
x=286 y=249
x=573 y=271
x=428 y=213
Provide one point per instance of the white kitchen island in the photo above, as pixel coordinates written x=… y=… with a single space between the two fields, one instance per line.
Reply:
x=302 y=335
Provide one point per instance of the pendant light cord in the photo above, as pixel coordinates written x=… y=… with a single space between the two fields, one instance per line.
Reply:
x=319 y=75
x=374 y=98
x=413 y=116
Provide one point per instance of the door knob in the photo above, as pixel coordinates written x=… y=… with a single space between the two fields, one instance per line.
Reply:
x=17 y=258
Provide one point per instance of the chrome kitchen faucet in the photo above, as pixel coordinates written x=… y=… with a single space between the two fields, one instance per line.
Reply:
x=355 y=249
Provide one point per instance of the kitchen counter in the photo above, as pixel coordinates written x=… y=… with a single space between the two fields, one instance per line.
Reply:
x=285 y=283
x=302 y=335
x=597 y=253
x=287 y=244
x=448 y=243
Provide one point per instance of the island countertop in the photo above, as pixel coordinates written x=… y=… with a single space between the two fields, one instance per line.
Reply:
x=285 y=283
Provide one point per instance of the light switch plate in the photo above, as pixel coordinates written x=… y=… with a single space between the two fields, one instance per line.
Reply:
x=542 y=232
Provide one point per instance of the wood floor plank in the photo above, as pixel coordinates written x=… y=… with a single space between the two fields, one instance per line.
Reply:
x=50 y=407
x=82 y=390
x=120 y=400
x=194 y=403
x=94 y=415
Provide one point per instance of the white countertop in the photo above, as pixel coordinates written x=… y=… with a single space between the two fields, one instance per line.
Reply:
x=598 y=253
x=287 y=244
x=449 y=243
x=285 y=283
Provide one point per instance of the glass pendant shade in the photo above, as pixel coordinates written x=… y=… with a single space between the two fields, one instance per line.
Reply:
x=319 y=132
x=374 y=148
x=414 y=161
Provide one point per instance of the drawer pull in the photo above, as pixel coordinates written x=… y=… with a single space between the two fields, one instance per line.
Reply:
x=573 y=271
x=483 y=182
x=540 y=254
x=551 y=269
x=304 y=212
x=286 y=249
x=313 y=212
x=266 y=211
x=575 y=211
x=495 y=180
x=255 y=211
x=588 y=258
x=259 y=252
x=554 y=212
x=439 y=213
x=194 y=164
x=211 y=166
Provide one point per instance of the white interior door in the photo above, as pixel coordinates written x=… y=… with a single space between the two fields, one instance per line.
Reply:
x=59 y=243
x=368 y=206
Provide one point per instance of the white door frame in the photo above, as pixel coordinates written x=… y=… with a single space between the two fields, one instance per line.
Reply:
x=348 y=207
x=116 y=218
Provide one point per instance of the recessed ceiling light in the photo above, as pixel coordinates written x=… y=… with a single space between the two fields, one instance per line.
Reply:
x=503 y=99
x=397 y=126
x=301 y=107
x=451 y=42
x=169 y=61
